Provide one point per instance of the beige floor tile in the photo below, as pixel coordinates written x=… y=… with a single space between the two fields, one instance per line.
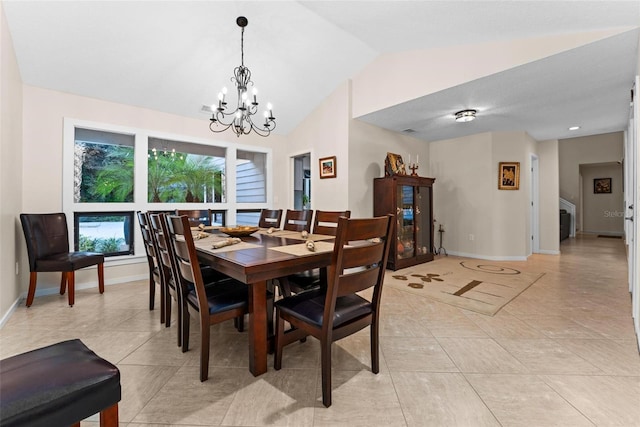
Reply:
x=504 y=325
x=525 y=400
x=554 y=326
x=282 y=398
x=605 y=400
x=160 y=350
x=139 y=385
x=546 y=356
x=186 y=400
x=612 y=357
x=359 y=399
x=480 y=355
x=437 y=399
x=415 y=354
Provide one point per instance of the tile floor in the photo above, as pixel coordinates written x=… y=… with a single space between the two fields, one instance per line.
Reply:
x=563 y=353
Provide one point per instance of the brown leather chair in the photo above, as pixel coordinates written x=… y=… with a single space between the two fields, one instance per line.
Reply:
x=270 y=218
x=324 y=222
x=332 y=313
x=295 y=220
x=47 y=240
x=155 y=277
x=225 y=300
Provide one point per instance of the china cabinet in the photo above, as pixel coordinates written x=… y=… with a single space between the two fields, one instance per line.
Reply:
x=410 y=199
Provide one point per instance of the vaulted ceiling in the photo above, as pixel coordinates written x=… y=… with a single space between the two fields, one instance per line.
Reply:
x=175 y=56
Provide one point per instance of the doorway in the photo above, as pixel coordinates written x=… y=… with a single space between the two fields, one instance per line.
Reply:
x=302 y=181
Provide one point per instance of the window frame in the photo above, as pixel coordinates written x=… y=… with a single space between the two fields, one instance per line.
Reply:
x=140 y=197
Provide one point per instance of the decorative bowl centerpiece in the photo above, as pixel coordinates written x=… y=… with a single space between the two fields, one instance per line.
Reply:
x=240 y=231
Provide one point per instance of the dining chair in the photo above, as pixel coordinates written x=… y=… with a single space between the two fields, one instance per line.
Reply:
x=155 y=277
x=47 y=239
x=270 y=218
x=329 y=314
x=196 y=216
x=167 y=288
x=298 y=220
x=227 y=299
x=324 y=222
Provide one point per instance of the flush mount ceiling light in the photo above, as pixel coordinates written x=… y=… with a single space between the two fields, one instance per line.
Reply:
x=574 y=128
x=240 y=120
x=465 y=116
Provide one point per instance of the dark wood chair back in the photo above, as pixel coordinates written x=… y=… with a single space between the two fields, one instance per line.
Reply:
x=326 y=222
x=270 y=218
x=358 y=263
x=47 y=239
x=220 y=301
x=150 y=249
x=298 y=220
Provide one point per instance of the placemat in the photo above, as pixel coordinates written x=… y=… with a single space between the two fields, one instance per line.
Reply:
x=301 y=248
x=277 y=233
x=205 y=245
x=298 y=236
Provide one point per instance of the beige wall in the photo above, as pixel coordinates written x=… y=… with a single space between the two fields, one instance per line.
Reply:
x=573 y=152
x=368 y=147
x=549 y=194
x=11 y=239
x=602 y=213
x=394 y=78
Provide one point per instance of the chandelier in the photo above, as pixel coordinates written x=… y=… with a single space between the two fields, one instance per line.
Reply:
x=241 y=119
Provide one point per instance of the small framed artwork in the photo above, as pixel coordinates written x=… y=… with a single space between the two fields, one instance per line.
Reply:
x=394 y=165
x=328 y=167
x=509 y=176
x=602 y=185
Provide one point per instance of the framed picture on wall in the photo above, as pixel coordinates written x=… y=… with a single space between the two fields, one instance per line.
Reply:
x=509 y=176
x=394 y=165
x=328 y=167
x=601 y=185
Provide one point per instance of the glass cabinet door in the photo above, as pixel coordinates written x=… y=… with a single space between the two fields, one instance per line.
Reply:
x=405 y=246
x=423 y=225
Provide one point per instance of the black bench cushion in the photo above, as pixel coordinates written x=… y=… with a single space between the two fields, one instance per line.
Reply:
x=57 y=385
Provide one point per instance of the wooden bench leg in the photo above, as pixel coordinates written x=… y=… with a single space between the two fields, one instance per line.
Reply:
x=109 y=416
x=32 y=288
x=71 y=284
x=63 y=283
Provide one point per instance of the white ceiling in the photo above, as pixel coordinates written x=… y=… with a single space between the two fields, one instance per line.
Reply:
x=174 y=56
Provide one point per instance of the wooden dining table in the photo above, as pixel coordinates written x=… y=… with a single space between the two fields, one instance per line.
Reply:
x=258 y=258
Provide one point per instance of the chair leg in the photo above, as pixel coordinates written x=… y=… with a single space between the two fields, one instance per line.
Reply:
x=163 y=303
x=180 y=310
x=375 y=349
x=152 y=292
x=109 y=416
x=167 y=309
x=32 y=288
x=101 y=277
x=277 y=358
x=63 y=283
x=71 y=284
x=186 y=326
x=205 y=332
x=326 y=371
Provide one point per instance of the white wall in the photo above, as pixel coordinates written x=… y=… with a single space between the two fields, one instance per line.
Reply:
x=11 y=238
x=573 y=152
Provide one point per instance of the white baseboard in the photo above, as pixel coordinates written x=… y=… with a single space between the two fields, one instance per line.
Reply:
x=489 y=257
x=548 y=252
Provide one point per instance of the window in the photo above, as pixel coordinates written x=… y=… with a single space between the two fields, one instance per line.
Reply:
x=103 y=167
x=251 y=172
x=248 y=217
x=181 y=172
x=110 y=233
x=110 y=172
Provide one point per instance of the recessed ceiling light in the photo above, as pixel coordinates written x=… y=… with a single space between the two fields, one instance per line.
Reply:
x=465 y=116
x=574 y=128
